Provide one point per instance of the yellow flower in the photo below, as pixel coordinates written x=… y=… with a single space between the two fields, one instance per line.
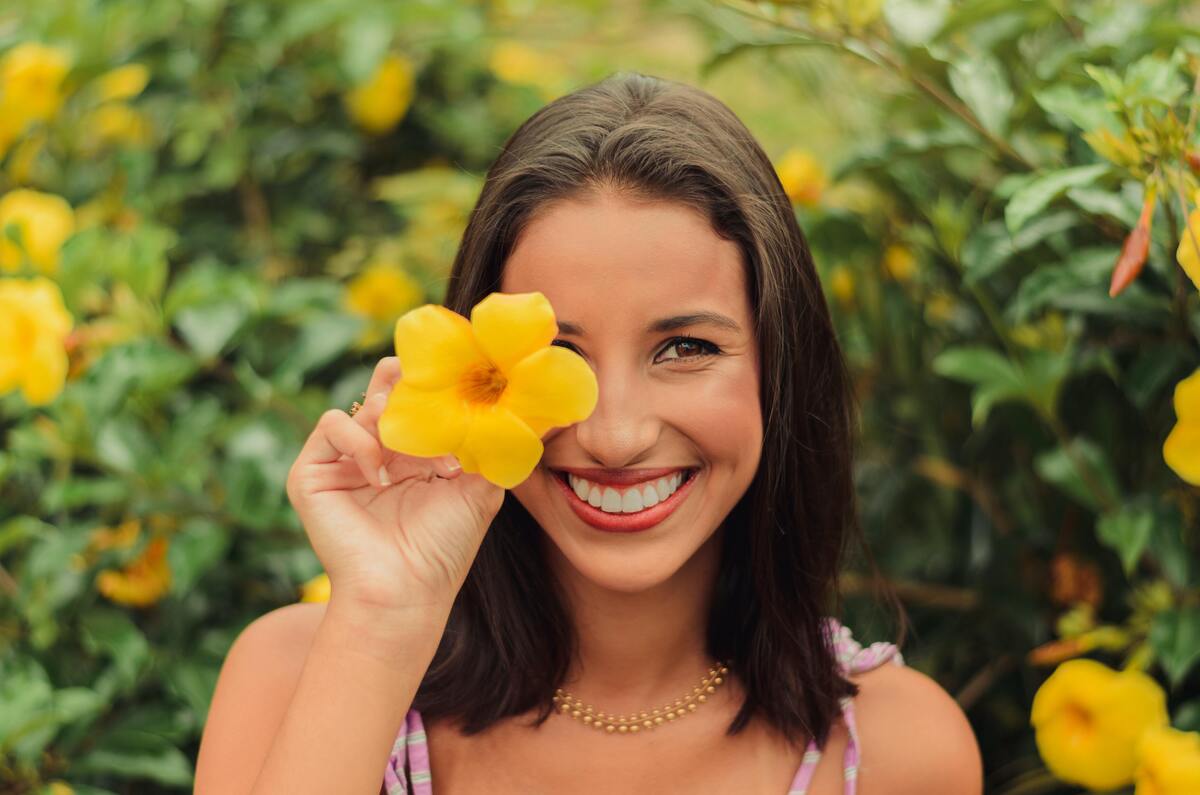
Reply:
x=34 y=325
x=940 y=307
x=378 y=104
x=31 y=77
x=381 y=292
x=316 y=590
x=802 y=177
x=1188 y=252
x=899 y=262
x=486 y=390
x=141 y=583
x=122 y=536
x=114 y=123
x=44 y=221
x=1168 y=762
x=520 y=64
x=1181 y=450
x=59 y=788
x=841 y=284
x=122 y=83
x=1088 y=718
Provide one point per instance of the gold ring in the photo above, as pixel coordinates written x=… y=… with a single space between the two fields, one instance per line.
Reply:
x=356 y=405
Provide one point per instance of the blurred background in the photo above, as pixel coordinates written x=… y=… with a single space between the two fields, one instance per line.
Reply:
x=213 y=211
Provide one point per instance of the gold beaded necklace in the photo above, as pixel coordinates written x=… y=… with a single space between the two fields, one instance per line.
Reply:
x=632 y=724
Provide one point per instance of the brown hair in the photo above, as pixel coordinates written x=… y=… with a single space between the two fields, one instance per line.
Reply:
x=509 y=639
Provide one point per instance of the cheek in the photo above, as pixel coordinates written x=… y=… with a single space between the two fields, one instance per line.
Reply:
x=722 y=416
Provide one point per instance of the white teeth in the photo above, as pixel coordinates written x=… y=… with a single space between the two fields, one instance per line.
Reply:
x=631 y=500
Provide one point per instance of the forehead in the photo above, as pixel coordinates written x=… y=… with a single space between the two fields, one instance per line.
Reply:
x=608 y=259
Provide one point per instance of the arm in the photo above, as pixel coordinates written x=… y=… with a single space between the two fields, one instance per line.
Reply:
x=915 y=739
x=310 y=699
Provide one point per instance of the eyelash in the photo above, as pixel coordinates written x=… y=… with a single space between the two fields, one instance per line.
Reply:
x=710 y=348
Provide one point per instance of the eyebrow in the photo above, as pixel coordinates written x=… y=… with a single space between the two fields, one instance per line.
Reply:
x=669 y=323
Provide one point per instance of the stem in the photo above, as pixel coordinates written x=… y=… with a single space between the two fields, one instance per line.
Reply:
x=1078 y=462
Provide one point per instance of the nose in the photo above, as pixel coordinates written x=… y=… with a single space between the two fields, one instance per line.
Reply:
x=624 y=427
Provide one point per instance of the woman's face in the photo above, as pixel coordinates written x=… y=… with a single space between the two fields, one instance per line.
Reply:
x=617 y=272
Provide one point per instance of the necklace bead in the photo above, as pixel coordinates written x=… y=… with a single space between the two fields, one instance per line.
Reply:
x=633 y=723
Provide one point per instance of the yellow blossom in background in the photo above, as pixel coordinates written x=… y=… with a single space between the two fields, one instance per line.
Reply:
x=1188 y=252
x=122 y=83
x=317 y=589
x=1168 y=763
x=484 y=390
x=841 y=284
x=899 y=262
x=59 y=788
x=141 y=583
x=520 y=64
x=1181 y=450
x=378 y=104
x=31 y=77
x=44 y=221
x=114 y=123
x=1087 y=719
x=939 y=307
x=802 y=177
x=381 y=292
x=34 y=324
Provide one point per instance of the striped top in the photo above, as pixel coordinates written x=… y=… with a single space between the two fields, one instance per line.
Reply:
x=407 y=771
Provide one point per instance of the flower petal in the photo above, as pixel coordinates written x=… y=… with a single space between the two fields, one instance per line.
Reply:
x=510 y=326
x=549 y=388
x=435 y=346
x=422 y=422
x=503 y=447
x=1181 y=451
x=1187 y=398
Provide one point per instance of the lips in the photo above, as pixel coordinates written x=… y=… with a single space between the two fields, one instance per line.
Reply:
x=626 y=522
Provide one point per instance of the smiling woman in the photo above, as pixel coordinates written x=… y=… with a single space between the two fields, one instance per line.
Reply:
x=673 y=555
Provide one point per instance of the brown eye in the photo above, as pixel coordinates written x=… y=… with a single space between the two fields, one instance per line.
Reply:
x=690 y=348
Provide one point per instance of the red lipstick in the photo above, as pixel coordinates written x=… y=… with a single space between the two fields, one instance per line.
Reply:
x=624 y=522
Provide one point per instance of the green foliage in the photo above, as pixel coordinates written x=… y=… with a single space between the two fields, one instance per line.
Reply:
x=1014 y=412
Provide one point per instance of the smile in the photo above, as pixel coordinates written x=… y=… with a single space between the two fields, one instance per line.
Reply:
x=626 y=508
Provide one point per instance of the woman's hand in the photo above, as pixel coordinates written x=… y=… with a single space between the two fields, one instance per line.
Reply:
x=393 y=531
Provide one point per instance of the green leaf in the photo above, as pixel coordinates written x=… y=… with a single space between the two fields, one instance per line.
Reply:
x=208 y=328
x=1106 y=202
x=1127 y=530
x=992 y=245
x=1058 y=467
x=137 y=755
x=1034 y=197
x=199 y=545
x=1086 y=270
x=1084 y=111
x=995 y=377
x=1175 y=637
x=110 y=632
x=981 y=83
x=915 y=22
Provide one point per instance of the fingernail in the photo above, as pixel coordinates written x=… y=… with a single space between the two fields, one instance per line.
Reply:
x=379 y=397
x=453 y=465
x=383 y=477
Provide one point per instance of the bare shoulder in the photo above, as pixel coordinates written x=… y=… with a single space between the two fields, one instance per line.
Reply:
x=913 y=736
x=255 y=687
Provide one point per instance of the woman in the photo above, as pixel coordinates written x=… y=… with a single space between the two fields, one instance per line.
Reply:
x=577 y=639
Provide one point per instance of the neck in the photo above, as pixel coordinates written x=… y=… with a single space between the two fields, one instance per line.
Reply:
x=638 y=650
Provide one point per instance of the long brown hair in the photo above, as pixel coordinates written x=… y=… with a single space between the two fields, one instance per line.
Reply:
x=509 y=639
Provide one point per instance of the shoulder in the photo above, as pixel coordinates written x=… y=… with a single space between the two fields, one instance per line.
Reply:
x=913 y=736
x=255 y=686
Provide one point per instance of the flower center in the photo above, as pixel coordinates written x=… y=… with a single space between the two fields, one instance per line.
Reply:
x=483 y=384
x=1078 y=718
